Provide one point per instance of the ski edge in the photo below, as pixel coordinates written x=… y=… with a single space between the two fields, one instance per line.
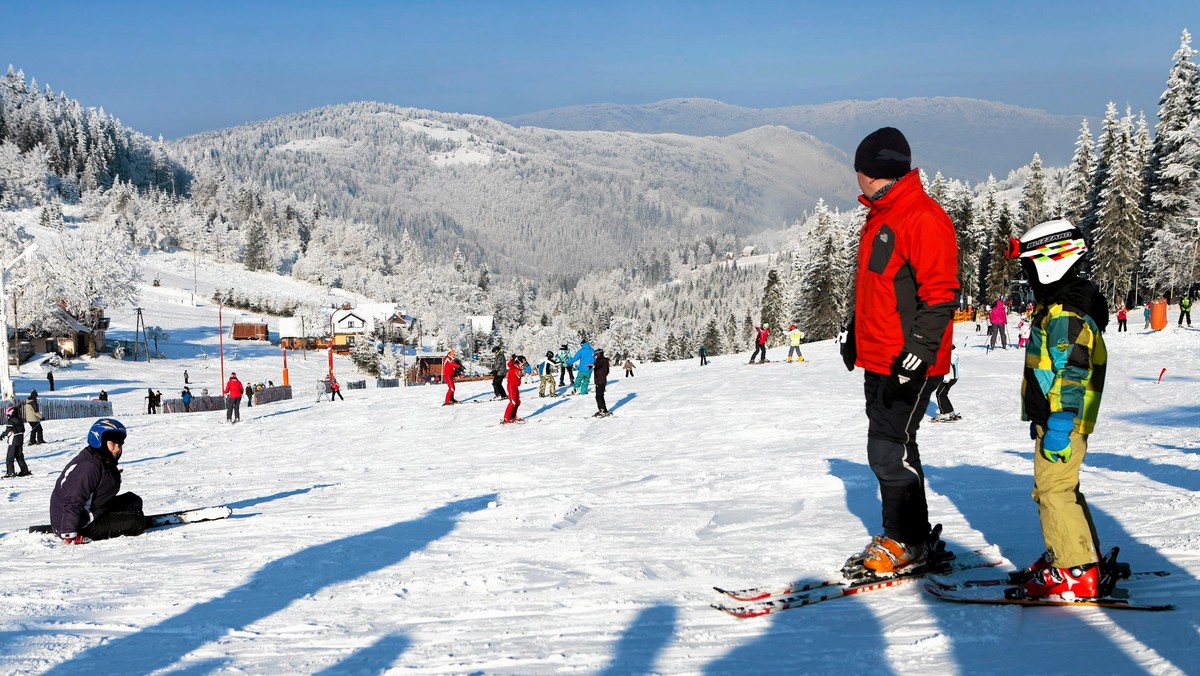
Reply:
x=1116 y=604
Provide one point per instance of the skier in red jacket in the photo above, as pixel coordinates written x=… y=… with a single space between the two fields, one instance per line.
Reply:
x=450 y=368
x=760 y=342
x=906 y=291
x=233 y=399
x=516 y=369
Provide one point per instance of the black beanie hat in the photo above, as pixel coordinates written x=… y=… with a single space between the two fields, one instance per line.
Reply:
x=884 y=153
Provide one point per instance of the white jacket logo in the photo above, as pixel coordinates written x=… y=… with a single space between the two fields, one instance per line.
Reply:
x=67 y=473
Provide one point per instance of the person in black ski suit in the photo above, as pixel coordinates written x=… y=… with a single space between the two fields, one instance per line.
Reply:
x=600 y=372
x=15 y=432
x=86 y=503
x=499 y=371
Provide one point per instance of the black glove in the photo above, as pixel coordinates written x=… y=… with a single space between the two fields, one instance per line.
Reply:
x=849 y=349
x=908 y=376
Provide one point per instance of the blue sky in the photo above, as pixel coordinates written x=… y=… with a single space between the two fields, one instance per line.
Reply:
x=175 y=68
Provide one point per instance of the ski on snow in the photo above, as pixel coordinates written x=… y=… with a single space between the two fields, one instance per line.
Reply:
x=168 y=518
x=947 y=590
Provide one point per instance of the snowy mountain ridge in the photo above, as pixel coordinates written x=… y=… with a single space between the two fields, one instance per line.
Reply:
x=960 y=137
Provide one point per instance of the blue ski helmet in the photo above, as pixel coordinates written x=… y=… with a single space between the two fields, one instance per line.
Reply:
x=106 y=429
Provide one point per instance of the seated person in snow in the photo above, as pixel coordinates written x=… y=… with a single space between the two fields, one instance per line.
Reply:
x=85 y=504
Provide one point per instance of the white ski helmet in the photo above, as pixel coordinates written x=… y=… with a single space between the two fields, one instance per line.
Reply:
x=1051 y=248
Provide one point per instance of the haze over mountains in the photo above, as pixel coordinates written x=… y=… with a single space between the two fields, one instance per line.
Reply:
x=960 y=137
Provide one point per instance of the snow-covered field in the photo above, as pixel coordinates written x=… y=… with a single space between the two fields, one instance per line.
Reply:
x=389 y=533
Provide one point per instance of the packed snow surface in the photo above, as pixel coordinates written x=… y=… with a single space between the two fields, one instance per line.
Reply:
x=389 y=533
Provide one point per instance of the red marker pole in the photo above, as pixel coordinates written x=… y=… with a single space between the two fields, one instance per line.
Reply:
x=1160 y=374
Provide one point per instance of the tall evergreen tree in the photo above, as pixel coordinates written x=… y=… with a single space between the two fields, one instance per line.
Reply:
x=712 y=338
x=1002 y=270
x=1168 y=187
x=1035 y=203
x=1117 y=238
x=772 y=307
x=961 y=210
x=1079 y=177
x=1108 y=147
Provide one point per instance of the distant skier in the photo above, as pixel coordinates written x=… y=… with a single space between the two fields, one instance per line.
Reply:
x=703 y=352
x=1146 y=315
x=1122 y=318
x=50 y=379
x=186 y=397
x=499 y=369
x=1185 y=310
x=14 y=431
x=585 y=356
x=795 y=335
x=1024 y=327
x=450 y=369
x=565 y=371
x=1065 y=365
x=942 y=393
x=998 y=325
x=33 y=416
x=151 y=402
x=629 y=366
x=760 y=342
x=86 y=503
x=516 y=367
x=335 y=389
x=547 y=369
x=233 y=399
x=600 y=369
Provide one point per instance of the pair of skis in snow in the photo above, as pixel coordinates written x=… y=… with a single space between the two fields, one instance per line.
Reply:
x=937 y=580
x=167 y=519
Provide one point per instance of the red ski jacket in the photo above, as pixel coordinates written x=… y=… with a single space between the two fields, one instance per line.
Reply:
x=906 y=284
x=234 y=388
x=762 y=336
x=449 y=370
x=514 y=380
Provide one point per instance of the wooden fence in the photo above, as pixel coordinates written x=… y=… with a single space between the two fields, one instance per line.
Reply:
x=263 y=396
x=53 y=408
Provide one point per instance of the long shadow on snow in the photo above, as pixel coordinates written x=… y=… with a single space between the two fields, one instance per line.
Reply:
x=284 y=412
x=547 y=407
x=998 y=505
x=643 y=641
x=623 y=400
x=1171 y=475
x=1175 y=416
x=271 y=589
x=373 y=659
x=838 y=637
x=251 y=502
x=155 y=457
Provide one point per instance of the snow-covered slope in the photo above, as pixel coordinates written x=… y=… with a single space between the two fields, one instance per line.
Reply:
x=389 y=532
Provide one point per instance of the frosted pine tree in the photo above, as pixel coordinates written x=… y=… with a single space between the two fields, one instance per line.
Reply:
x=712 y=338
x=1117 y=237
x=1034 y=207
x=772 y=308
x=1002 y=270
x=1079 y=177
x=822 y=318
x=1171 y=188
x=1107 y=145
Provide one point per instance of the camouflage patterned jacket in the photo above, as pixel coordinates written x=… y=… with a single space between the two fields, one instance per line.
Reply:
x=1065 y=363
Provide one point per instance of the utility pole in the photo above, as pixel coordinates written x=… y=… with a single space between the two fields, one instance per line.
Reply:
x=6 y=384
x=140 y=330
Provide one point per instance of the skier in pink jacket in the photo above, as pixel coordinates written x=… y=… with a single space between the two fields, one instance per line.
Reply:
x=998 y=325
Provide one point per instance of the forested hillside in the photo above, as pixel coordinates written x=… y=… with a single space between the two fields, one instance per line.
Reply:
x=529 y=201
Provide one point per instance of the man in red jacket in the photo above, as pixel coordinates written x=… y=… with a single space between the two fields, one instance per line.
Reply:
x=906 y=291
x=450 y=368
x=760 y=342
x=516 y=369
x=233 y=399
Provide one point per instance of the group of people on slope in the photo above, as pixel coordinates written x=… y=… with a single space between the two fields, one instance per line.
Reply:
x=508 y=385
x=761 y=333
x=906 y=291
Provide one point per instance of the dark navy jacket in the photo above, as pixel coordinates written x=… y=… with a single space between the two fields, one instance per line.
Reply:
x=83 y=490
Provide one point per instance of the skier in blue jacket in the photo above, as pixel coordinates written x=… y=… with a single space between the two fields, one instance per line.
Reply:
x=586 y=358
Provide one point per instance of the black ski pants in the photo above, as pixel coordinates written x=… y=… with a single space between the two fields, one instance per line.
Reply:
x=759 y=349
x=36 y=435
x=601 y=406
x=16 y=453
x=566 y=374
x=233 y=409
x=498 y=386
x=896 y=460
x=943 y=396
x=124 y=516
